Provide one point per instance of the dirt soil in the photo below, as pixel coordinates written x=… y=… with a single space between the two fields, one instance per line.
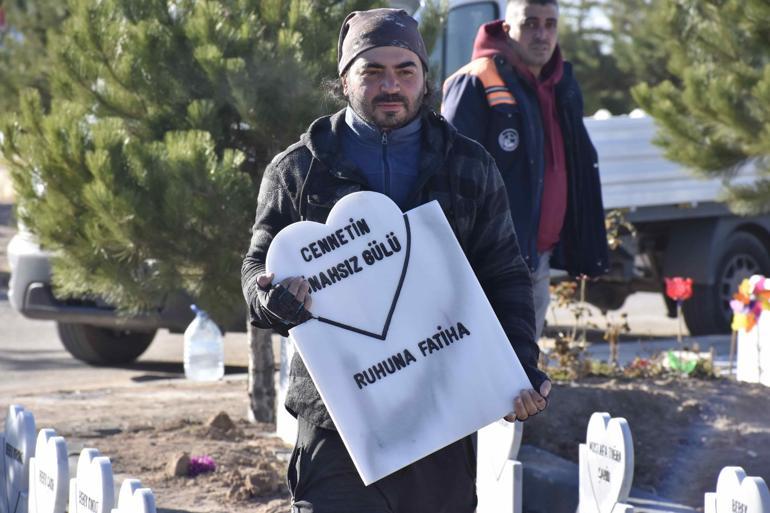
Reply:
x=684 y=432
x=146 y=426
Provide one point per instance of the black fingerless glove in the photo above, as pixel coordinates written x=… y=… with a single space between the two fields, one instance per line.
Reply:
x=281 y=307
x=536 y=377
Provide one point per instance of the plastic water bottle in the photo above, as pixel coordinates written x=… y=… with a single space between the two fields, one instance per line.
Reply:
x=204 y=358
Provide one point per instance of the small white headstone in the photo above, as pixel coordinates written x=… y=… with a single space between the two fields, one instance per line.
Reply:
x=405 y=348
x=3 y=498
x=91 y=491
x=134 y=499
x=498 y=474
x=738 y=493
x=285 y=423
x=498 y=442
x=48 y=474
x=606 y=467
x=753 y=353
x=18 y=448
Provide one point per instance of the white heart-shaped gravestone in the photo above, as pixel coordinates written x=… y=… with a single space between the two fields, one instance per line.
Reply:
x=498 y=442
x=285 y=423
x=406 y=352
x=91 y=491
x=609 y=461
x=134 y=499
x=3 y=498
x=49 y=474
x=19 y=448
x=357 y=249
x=753 y=353
x=498 y=474
x=738 y=493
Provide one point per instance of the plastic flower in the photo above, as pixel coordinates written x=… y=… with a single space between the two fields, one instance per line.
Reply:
x=763 y=298
x=745 y=288
x=678 y=288
x=757 y=283
x=737 y=305
x=201 y=465
x=752 y=298
x=742 y=298
x=740 y=322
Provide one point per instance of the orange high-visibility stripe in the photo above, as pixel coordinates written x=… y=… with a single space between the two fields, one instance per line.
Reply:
x=500 y=98
x=494 y=87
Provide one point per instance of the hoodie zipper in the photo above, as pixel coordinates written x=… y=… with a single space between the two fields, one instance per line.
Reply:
x=385 y=165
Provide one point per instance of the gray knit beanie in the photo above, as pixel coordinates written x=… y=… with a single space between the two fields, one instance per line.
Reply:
x=364 y=30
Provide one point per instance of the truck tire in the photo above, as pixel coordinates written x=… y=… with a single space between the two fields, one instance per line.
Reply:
x=103 y=346
x=708 y=311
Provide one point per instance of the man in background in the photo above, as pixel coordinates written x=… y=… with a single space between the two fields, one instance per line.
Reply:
x=519 y=98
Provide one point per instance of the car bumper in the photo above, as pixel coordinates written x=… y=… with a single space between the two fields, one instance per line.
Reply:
x=30 y=294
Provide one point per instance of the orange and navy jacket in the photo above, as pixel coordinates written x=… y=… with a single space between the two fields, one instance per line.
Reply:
x=486 y=100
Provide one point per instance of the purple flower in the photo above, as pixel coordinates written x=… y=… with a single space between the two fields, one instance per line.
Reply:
x=201 y=465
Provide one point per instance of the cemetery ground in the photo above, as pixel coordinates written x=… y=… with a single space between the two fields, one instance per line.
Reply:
x=144 y=415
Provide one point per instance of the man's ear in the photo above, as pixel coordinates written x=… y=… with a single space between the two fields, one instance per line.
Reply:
x=344 y=81
x=506 y=27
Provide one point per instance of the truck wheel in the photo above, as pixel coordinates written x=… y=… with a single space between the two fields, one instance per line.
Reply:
x=103 y=346
x=708 y=311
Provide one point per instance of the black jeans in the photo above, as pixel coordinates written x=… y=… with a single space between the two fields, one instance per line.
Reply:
x=323 y=479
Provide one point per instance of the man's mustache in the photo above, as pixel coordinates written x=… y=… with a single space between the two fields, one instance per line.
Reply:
x=390 y=98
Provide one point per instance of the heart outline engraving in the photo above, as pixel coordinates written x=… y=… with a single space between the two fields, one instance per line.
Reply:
x=366 y=305
x=396 y=294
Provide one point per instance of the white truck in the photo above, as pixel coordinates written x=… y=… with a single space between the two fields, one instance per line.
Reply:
x=683 y=229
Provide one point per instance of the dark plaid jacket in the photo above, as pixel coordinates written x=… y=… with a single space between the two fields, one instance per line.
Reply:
x=305 y=181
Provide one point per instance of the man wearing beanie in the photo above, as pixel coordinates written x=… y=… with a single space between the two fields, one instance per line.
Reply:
x=387 y=140
x=520 y=100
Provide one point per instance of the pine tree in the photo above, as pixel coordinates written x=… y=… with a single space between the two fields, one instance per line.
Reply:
x=23 y=37
x=609 y=60
x=639 y=43
x=718 y=116
x=590 y=50
x=141 y=176
x=141 y=171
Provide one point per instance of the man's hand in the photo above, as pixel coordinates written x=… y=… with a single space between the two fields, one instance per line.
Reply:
x=289 y=301
x=529 y=403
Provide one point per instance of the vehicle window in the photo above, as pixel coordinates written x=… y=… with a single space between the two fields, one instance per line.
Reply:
x=462 y=24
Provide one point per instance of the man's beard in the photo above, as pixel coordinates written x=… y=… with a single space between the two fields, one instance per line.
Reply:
x=386 y=120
